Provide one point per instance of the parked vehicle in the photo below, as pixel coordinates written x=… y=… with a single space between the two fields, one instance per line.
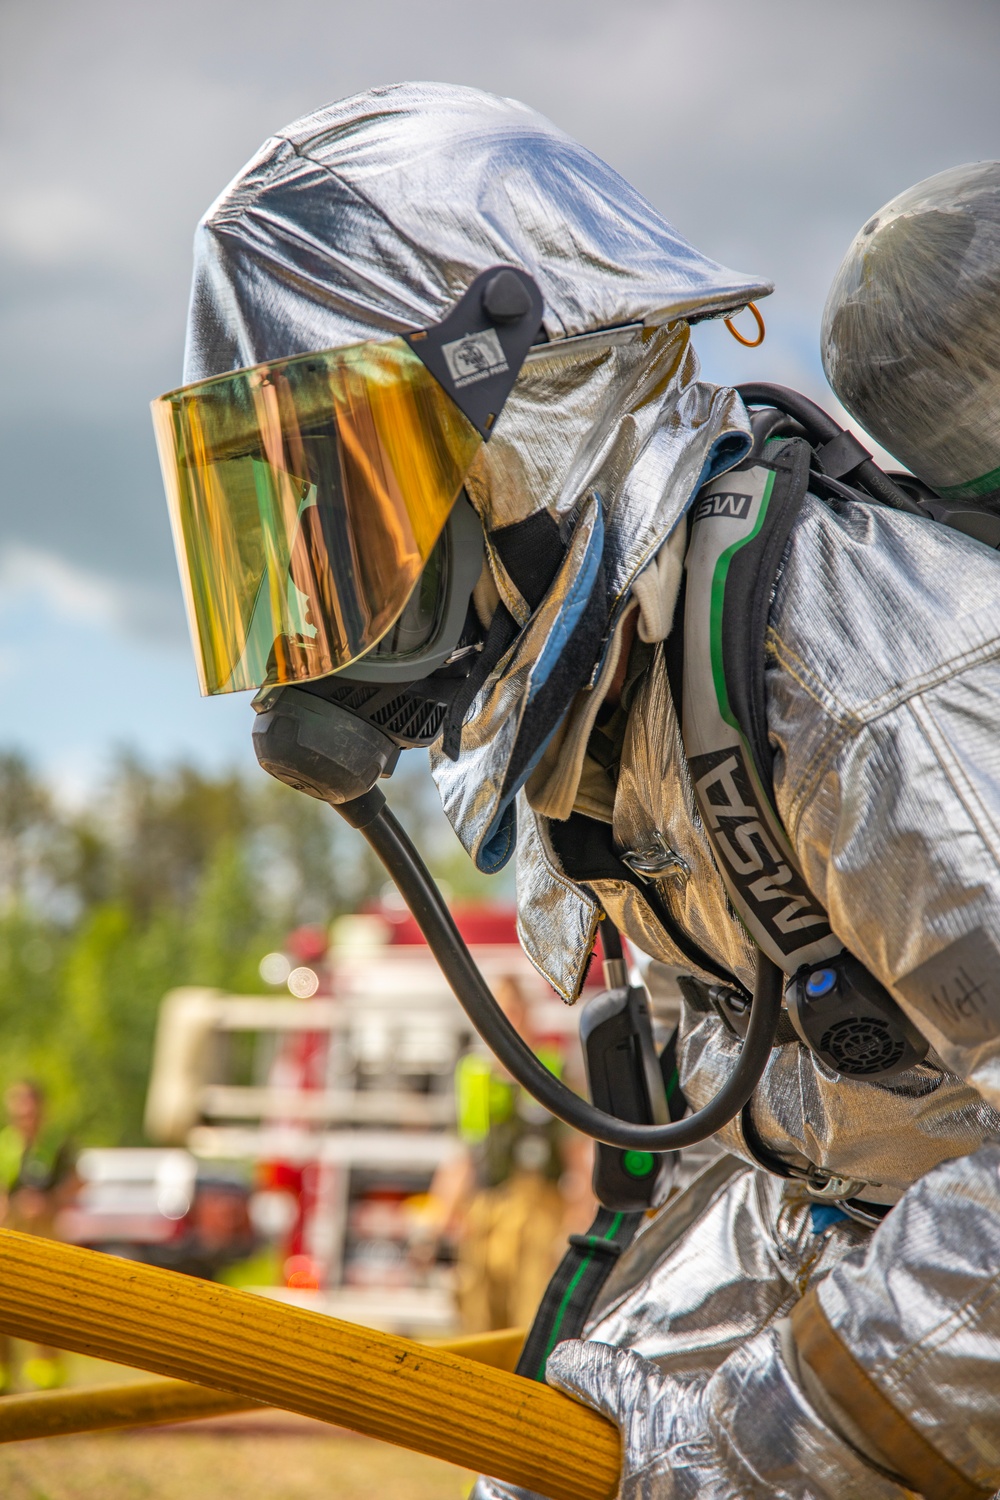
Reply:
x=343 y=1101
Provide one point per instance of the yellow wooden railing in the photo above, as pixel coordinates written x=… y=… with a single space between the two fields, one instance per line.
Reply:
x=248 y=1350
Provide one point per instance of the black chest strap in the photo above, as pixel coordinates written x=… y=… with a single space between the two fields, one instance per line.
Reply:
x=571 y=1293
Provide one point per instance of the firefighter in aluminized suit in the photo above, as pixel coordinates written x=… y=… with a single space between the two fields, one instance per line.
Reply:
x=832 y=1332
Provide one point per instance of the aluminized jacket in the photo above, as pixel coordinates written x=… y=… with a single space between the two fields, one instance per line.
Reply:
x=371 y=217
x=883 y=691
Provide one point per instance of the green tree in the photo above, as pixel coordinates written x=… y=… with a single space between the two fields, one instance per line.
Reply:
x=168 y=877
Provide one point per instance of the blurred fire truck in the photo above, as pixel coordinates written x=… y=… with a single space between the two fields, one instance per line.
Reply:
x=341 y=1094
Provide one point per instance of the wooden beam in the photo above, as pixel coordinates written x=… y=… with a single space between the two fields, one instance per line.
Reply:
x=141 y=1403
x=427 y=1399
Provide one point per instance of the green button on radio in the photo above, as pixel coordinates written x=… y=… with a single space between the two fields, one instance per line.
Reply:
x=638 y=1163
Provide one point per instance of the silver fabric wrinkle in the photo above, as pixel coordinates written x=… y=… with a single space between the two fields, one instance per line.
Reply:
x=556 y=922
x=630 y=424
x=703 y=1283
x=371 y=216
x=748 y=1431
x=920 y=1311
x=722 y=1261
x=884 y=1134
x=655 y=800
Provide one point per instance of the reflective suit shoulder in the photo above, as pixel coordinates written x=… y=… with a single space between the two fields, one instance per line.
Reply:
x=883 y=690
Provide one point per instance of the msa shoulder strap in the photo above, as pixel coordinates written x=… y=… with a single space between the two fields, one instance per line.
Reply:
x=740 y=526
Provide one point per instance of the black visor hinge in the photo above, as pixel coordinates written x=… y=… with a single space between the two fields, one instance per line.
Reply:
x=477 y=351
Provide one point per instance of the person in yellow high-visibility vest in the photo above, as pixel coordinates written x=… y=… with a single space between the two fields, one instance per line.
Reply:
x=36 y=1175
x=501 y=1199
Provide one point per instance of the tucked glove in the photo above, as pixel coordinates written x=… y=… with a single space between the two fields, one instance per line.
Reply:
x=746 y=1431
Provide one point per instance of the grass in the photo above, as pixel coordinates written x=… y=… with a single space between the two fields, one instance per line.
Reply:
x=268 y=1455
x=226 y=1460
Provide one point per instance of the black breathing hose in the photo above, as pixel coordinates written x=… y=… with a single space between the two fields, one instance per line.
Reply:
x=370 y=815
x=821 y=428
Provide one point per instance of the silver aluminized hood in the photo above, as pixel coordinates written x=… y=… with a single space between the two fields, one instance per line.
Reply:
x=373 y=214
x=371 y=217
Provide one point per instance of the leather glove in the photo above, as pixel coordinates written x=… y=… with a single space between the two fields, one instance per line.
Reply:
x=745 y=1431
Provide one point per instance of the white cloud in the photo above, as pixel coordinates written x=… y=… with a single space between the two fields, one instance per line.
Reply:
x=56 y=224
x=35 y=581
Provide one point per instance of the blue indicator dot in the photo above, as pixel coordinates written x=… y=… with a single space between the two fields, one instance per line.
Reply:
x=820 y=983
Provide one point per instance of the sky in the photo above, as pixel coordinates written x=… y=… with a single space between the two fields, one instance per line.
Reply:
x=766 y=131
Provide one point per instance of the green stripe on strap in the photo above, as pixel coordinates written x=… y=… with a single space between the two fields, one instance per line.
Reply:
x=557 y=1324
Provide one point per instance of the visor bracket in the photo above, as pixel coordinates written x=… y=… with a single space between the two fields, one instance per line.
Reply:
x=477 y=351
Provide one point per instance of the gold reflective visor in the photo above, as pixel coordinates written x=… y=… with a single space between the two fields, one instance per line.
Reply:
x=305 y=497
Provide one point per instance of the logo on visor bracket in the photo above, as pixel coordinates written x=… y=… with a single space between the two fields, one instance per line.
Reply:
x=477 y=351
x=476 y=357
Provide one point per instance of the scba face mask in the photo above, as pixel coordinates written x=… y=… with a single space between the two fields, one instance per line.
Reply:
x=313 y=499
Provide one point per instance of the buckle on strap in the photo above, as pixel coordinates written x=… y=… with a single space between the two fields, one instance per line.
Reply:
x=833 y=1189
x=657 y=861
x=862 y=1212
x=596 y=1245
